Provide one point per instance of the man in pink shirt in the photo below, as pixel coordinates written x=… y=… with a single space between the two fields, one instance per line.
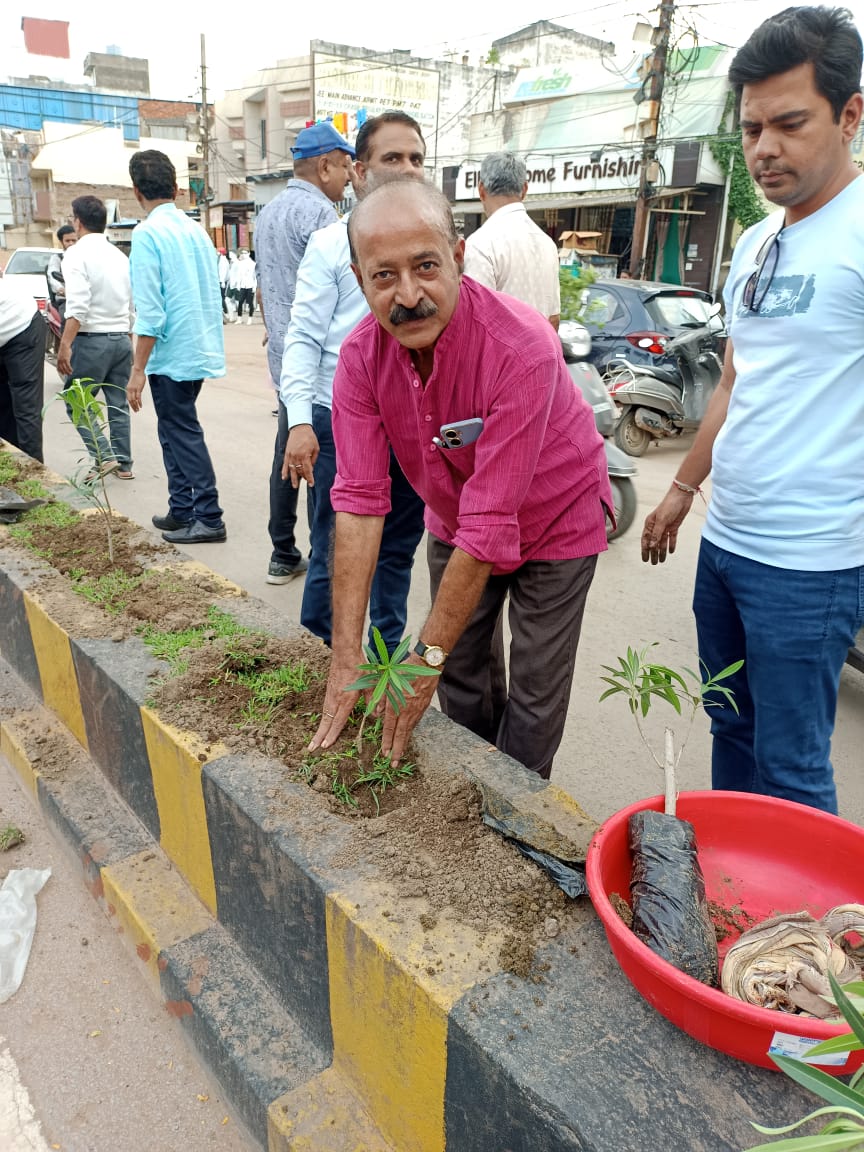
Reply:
x=470 y=389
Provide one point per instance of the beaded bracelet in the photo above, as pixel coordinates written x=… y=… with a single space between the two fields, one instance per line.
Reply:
x=687 y=488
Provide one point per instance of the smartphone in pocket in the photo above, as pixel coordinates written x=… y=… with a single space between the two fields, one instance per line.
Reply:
x=460 y=432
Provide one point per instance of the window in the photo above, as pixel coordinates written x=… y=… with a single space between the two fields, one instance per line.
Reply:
x=601 y=308
x=679 y=311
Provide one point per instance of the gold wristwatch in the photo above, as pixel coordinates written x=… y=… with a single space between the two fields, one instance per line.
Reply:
x=431 y=654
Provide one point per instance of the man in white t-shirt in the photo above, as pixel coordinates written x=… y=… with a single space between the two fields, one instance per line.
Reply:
x=510 y=253
x=780 y=582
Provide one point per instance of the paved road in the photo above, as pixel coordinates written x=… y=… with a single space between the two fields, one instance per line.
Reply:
x=601 y=761
x=89 y=1060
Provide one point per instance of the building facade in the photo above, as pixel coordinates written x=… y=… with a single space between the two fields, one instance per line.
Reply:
x=59 y=141
x=580 y=130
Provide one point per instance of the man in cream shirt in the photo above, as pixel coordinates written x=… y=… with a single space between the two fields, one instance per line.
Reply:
x=510 y=253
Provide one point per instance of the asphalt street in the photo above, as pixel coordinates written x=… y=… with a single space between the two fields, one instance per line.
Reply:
x=90 y=1061
x=601 y=761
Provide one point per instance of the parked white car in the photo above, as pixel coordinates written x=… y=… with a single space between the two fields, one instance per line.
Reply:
x=28 y=267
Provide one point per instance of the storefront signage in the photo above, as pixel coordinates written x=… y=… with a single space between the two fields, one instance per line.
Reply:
x=571 y=174
x=348 y=85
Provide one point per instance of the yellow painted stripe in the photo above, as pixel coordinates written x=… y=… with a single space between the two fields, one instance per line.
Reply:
x=322 y=1115
x=389 y=1006
x=12 y=747
x=564 y=800
x=176 y=771
x=56 y=669
x=152 y=905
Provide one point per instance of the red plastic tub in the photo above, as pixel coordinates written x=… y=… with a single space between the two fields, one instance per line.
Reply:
x=760 y=856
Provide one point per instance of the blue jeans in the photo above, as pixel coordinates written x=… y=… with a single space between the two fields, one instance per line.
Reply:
x=106 y=359
x=192 y=491
x=283 y=500
x=793 y=630
x=403 y=529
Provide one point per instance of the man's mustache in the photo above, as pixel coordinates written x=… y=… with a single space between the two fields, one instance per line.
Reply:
x=422 y=311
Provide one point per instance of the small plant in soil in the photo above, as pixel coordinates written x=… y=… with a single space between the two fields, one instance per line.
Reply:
x=349 y=769
x=845 y=1129
x=670 y=907
x=88 y=413
x=386 y=677
x=10 y=837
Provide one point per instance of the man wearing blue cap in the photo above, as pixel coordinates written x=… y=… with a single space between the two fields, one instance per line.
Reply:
x=322 y=168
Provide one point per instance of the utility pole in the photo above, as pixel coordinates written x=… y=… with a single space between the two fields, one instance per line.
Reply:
x=204 y=146
x=657 y=75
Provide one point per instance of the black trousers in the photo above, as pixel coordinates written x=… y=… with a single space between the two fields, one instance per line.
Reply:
x=192 y=493
x=547 y=603
x=22 y=388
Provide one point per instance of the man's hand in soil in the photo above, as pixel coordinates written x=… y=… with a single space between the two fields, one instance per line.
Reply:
x=301 y=452
x=337 y=704
x=397 y=730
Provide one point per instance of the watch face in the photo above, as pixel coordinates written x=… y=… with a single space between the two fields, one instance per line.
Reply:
x=434 y=656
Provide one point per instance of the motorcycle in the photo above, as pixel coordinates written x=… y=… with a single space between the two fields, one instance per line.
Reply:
x=576 y=345
x=54 y=321
x=657 y=402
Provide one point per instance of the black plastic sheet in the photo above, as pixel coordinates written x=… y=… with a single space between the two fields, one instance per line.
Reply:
x=570 y=878
x=670 y=908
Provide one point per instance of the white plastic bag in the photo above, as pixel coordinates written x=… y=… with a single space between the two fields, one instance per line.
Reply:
x=17 y=925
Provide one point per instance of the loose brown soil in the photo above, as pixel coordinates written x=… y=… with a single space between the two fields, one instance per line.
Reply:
x=623 y=909
x=424 y=833
x=729 y=921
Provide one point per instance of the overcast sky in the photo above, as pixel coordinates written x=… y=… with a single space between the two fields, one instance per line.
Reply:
x=237 y=45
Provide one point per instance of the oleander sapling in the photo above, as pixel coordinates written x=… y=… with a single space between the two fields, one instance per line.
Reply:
x=670 y=908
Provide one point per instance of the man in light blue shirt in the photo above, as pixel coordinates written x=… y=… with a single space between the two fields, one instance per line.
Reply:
x=322 y=167
x=328 y=304
x=175 y=288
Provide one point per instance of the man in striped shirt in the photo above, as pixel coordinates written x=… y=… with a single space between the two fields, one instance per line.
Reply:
x=470 y=389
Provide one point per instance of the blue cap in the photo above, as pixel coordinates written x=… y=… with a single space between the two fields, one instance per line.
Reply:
x=317 y=140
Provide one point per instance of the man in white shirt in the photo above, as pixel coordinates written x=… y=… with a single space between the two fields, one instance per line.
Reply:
x=510 y=253
x=54 y=271
x=96 y=342
x=22 y=369
x=246 y=284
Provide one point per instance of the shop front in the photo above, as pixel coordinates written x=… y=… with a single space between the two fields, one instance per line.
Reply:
x=597 y=193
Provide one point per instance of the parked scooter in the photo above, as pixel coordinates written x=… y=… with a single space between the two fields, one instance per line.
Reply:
x=576 y=345
x=658 y=402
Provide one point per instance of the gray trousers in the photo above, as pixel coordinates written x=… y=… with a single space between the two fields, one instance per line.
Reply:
x=547 y=603
x=106 y=359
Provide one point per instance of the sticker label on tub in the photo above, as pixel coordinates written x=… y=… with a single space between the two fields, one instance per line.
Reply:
x=785 y=1044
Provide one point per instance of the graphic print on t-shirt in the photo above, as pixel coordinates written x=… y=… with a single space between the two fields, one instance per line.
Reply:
x=787 y=296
